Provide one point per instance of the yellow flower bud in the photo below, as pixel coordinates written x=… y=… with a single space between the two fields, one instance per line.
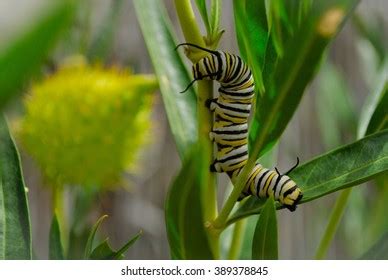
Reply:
x=84 y=125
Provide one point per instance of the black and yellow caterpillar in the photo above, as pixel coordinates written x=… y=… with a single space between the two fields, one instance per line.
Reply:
x=230 y=129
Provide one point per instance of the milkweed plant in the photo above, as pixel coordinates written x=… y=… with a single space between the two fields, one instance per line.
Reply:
x=84 y=124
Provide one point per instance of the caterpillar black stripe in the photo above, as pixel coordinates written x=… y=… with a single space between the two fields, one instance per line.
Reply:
x=230 y=129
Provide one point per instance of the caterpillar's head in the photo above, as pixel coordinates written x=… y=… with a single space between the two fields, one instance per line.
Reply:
x=291 y=194
x=205 y=68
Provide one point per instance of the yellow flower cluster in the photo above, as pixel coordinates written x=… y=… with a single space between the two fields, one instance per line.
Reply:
x=84 y=125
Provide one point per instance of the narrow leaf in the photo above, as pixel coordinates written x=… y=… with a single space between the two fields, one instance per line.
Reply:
x=55 y=243
x=374 y=116
x=344 y=167
x=280 y=25
x=379 y=119
x=379 y=251
x=247 y=240
x=201 y=5
x=174 y=207
x=252 y=35
x=296 y=11
x=104 y=251
x=22 y=57
x=171 y=72
x=195 y=240
x=15 y=229
x=292 y=72
x=126 y=246
x=89 y=243
x=265 y=238
x=215 y=14
x=184 y=213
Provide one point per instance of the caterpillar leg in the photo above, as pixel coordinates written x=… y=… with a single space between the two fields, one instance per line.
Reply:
x=216 y=167
x=212 y=136
x=211 y=103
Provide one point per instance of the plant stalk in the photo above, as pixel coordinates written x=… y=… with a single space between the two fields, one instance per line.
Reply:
x=193 y=35
x=59 y=210
x=335 y=218
x=188 y=23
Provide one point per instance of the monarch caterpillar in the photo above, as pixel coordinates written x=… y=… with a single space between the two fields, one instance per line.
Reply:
x=230 y=128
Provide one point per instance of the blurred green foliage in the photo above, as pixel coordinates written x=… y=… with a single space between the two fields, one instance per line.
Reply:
x=21 y=58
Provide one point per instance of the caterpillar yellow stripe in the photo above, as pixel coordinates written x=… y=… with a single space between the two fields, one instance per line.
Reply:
x=231 y=110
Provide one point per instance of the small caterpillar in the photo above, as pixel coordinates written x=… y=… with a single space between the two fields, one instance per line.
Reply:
x=230 y=129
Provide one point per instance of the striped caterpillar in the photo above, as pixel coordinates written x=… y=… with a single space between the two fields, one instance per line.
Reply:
x=230 y=129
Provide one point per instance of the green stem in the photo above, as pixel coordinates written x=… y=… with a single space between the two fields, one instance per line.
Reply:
x=193 y=35
x=59 y=210
x=205 y=119
x=238 y=233
x=220 y=222
x=335 y=218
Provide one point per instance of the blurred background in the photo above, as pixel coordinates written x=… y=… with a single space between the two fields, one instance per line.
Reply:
x=326 y=118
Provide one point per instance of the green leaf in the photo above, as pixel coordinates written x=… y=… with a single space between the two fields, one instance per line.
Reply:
x=201 y=5
x=280 y=25
x=126 y=246
x=247 y=240
x=55 y=244
x=22 y=57
x=296 y=12
x=286 y=82
x=374 y=115
x=15 y=229
x=252 y=35
x=105 y=252
x=347 y=166
x=174 y=206
x=379 y=118
x=171 y=72
x=379 y=251
x=265 y=238
x=285 y=18
x=215 y=14
x=89 y=243
x=184 y=214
